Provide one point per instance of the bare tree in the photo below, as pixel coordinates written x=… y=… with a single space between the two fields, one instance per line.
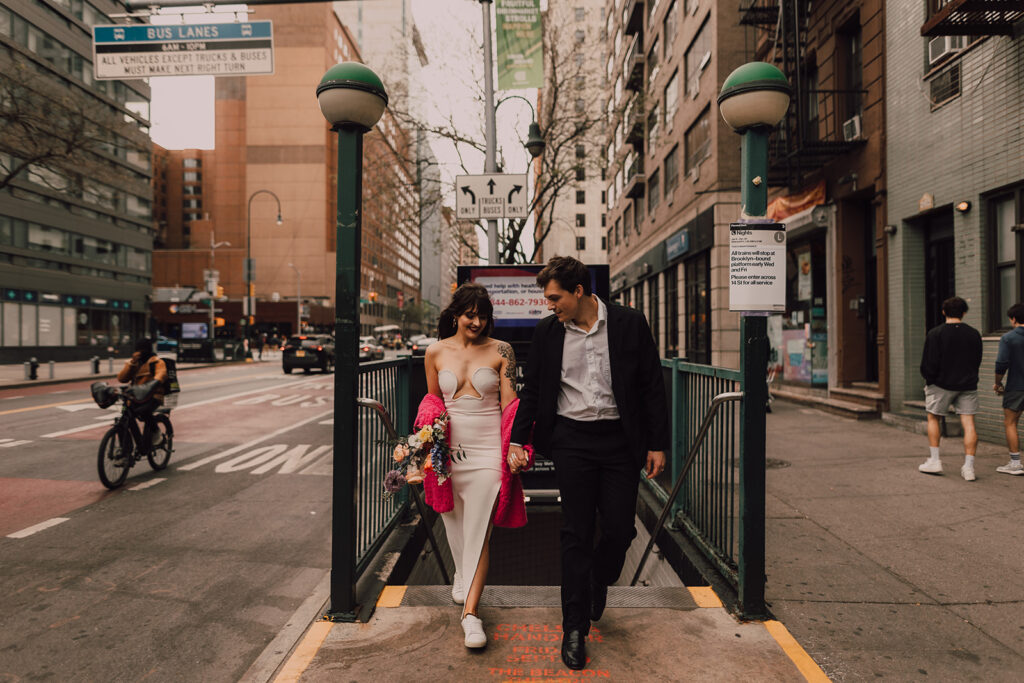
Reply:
x=59 y=136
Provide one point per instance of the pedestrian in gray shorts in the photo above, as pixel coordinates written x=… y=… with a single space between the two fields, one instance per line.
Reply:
x=949 y=364
x=1011 y=357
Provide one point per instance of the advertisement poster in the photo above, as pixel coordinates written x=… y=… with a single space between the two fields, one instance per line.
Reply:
x=519 y=37
x=517 y=299
x=803 y=276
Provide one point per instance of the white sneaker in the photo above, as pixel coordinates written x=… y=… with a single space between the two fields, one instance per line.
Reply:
x=931 y=466
x=458 y=590
x=474 y=628
x=967 y=472
x=1012 y=467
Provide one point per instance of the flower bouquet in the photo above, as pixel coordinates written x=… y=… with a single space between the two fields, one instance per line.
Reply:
x=423 y=450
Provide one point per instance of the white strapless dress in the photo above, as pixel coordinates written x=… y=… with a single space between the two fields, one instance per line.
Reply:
x=475 y=424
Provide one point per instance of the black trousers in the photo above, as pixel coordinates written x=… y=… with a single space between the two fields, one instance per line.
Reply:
x=598 y=478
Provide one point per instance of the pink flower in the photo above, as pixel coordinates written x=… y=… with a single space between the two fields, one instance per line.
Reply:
x=401 y=452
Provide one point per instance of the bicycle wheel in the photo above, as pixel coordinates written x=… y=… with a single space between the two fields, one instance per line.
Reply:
x=160 y=453
x=113 y=460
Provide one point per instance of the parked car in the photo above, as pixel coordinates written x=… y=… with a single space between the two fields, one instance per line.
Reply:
x=419 y=348
x=369 y=349
x=166 y=343
x=413 y=339
x=308 y=351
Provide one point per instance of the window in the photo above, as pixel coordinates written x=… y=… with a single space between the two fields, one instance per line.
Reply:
x=692 y=6
x=697 y=57
x=581 y=243
x=42 y=238
x=672 y=312
x=581 y=105
x=581 y=152
x=578 y=58
x=618 y=222
x=581 y=220
x=653 y=191
x=851 y=69
x=192 y=177
x=653 y=127
x=698 y=141
x=671 y=171
x=944 y=86
x=1003 y=215
x=580 y=35
x=671 y=100
x=581 y=196
x=604 y=220
x=671 y=24
x=581 y=173
x=604 y=243
x=652 y=63
x=581 y=14
x=192 y=163
x=581 y=81
x=627 y=217
x=604 y=196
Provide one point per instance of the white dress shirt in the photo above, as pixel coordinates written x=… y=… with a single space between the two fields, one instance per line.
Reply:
x=585 y=393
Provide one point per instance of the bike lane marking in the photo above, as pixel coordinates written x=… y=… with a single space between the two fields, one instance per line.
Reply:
x=241 y=447
x=146 y=484
x=25 y=533
x=75 y=430
x=24 y=502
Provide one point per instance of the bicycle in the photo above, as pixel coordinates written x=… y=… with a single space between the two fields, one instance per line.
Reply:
x=122 y=447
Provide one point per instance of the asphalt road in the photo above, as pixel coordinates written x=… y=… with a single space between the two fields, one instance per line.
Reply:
x=184 y=574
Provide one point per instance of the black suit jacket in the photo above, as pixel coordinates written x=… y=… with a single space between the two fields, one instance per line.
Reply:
x=637 y=383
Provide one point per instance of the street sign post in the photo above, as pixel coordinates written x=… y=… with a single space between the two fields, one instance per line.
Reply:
x=491 y=195
x=757 y=267
x=144 y=51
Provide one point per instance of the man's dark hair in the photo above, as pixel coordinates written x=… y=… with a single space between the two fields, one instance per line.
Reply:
x=954 y=307
x=567 y=272
x=1016 y=312
x=145 y=345
x=468 y=297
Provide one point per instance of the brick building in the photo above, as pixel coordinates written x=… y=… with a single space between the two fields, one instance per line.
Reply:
x=956 y=199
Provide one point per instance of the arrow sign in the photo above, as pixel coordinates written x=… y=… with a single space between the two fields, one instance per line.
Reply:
x=501 y=195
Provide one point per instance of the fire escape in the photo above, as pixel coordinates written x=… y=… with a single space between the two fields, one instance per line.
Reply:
x=821 y=125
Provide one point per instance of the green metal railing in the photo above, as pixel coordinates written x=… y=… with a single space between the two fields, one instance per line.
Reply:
x=387 y=383
x=708 y=508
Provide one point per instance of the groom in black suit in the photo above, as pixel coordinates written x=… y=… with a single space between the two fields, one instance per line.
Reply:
x=595 y=401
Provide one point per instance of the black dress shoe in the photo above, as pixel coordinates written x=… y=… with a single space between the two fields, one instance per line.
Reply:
x=574 y=651
x=598 y=598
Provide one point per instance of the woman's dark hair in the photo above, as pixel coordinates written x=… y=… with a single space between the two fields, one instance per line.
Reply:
x=954 y=307
x=468 y=297
x=568 y=272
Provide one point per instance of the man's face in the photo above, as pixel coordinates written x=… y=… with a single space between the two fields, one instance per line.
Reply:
x=562 y=302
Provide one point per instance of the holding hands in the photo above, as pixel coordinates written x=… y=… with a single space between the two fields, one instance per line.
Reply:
x=517 y=458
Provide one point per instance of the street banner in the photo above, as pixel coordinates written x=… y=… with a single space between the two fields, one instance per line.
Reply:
x=757 y=267
x=144 y=50
x=520 y=44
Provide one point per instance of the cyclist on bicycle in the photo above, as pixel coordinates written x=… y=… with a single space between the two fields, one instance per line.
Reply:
x=145 y=366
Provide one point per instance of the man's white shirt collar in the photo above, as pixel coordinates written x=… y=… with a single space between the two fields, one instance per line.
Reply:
x=602 y=316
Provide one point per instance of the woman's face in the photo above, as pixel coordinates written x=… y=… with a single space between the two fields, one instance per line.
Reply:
x=472 y=324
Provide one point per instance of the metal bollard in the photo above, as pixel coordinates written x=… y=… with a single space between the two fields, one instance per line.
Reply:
x=33 y=368
x=110 y=364
x=26 y=370
x=52 y=369
x=94 y=365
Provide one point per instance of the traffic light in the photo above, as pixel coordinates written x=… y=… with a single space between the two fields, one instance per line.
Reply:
x=219 y=322
x=373 y=296
x=252 y=319
x=220 y=291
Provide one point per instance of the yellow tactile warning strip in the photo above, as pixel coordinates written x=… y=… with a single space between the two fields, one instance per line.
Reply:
x=304 y=653
x=391 y=596
x=807 y=666
x=704 y=596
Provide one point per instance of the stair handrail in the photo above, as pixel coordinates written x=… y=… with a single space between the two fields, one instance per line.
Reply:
x=705 y=425
x=389 y=427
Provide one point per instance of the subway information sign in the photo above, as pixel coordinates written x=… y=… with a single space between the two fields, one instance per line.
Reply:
x=145 y=51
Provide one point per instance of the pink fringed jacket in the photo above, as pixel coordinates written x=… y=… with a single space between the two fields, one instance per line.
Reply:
x=511 y=508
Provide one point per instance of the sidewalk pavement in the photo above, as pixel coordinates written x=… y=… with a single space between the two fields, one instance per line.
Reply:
x=13 y=375
x=874 y=570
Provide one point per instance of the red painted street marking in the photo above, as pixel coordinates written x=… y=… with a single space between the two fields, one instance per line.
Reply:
x=26 y=502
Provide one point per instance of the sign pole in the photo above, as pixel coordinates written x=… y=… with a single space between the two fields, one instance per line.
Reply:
x=490 y=164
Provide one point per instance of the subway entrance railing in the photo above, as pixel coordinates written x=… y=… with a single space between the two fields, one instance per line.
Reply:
x=720 y=504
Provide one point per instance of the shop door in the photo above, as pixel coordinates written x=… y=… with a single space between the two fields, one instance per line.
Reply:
x=869 y=306
x=698 y=309
x=940 y=275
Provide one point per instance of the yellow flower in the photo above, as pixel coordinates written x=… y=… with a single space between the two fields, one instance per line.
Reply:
x=425 y=434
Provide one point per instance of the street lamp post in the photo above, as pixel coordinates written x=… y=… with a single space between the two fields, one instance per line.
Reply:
x=249 y=307
x=298 y=299
x=213 y=246
x=754 y=98
x=352 y=99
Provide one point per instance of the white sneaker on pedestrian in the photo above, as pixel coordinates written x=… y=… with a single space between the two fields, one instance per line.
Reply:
x=1012 y=467
x=967 y=472
x=474 y=628
x=931 y=466
x=458 y=590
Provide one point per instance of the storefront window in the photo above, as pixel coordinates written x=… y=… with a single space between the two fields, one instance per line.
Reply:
x=49 y=326
x=12 y=324
x=802 y=347
x=698 y=309
x=28 y=325
x=672 y=312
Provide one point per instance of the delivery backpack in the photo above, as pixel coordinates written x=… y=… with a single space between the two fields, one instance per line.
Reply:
x=171 y=385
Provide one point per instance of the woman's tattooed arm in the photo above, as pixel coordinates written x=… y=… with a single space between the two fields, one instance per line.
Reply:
x=505 y=351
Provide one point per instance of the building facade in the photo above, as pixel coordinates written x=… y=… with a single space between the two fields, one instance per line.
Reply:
x=76 y=231
x=273 y=158
x=956 y=191
x=673 y=170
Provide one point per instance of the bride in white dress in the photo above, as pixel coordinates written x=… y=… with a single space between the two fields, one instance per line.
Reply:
x=475 y=375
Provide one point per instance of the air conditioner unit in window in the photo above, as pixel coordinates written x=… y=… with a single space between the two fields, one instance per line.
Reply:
x=940 y=46
x=851 y=128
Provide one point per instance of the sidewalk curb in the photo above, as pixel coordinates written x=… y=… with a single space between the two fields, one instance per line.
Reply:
x=81 y=378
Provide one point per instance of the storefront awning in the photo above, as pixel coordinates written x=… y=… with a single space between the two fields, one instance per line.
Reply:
x=781 y=208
